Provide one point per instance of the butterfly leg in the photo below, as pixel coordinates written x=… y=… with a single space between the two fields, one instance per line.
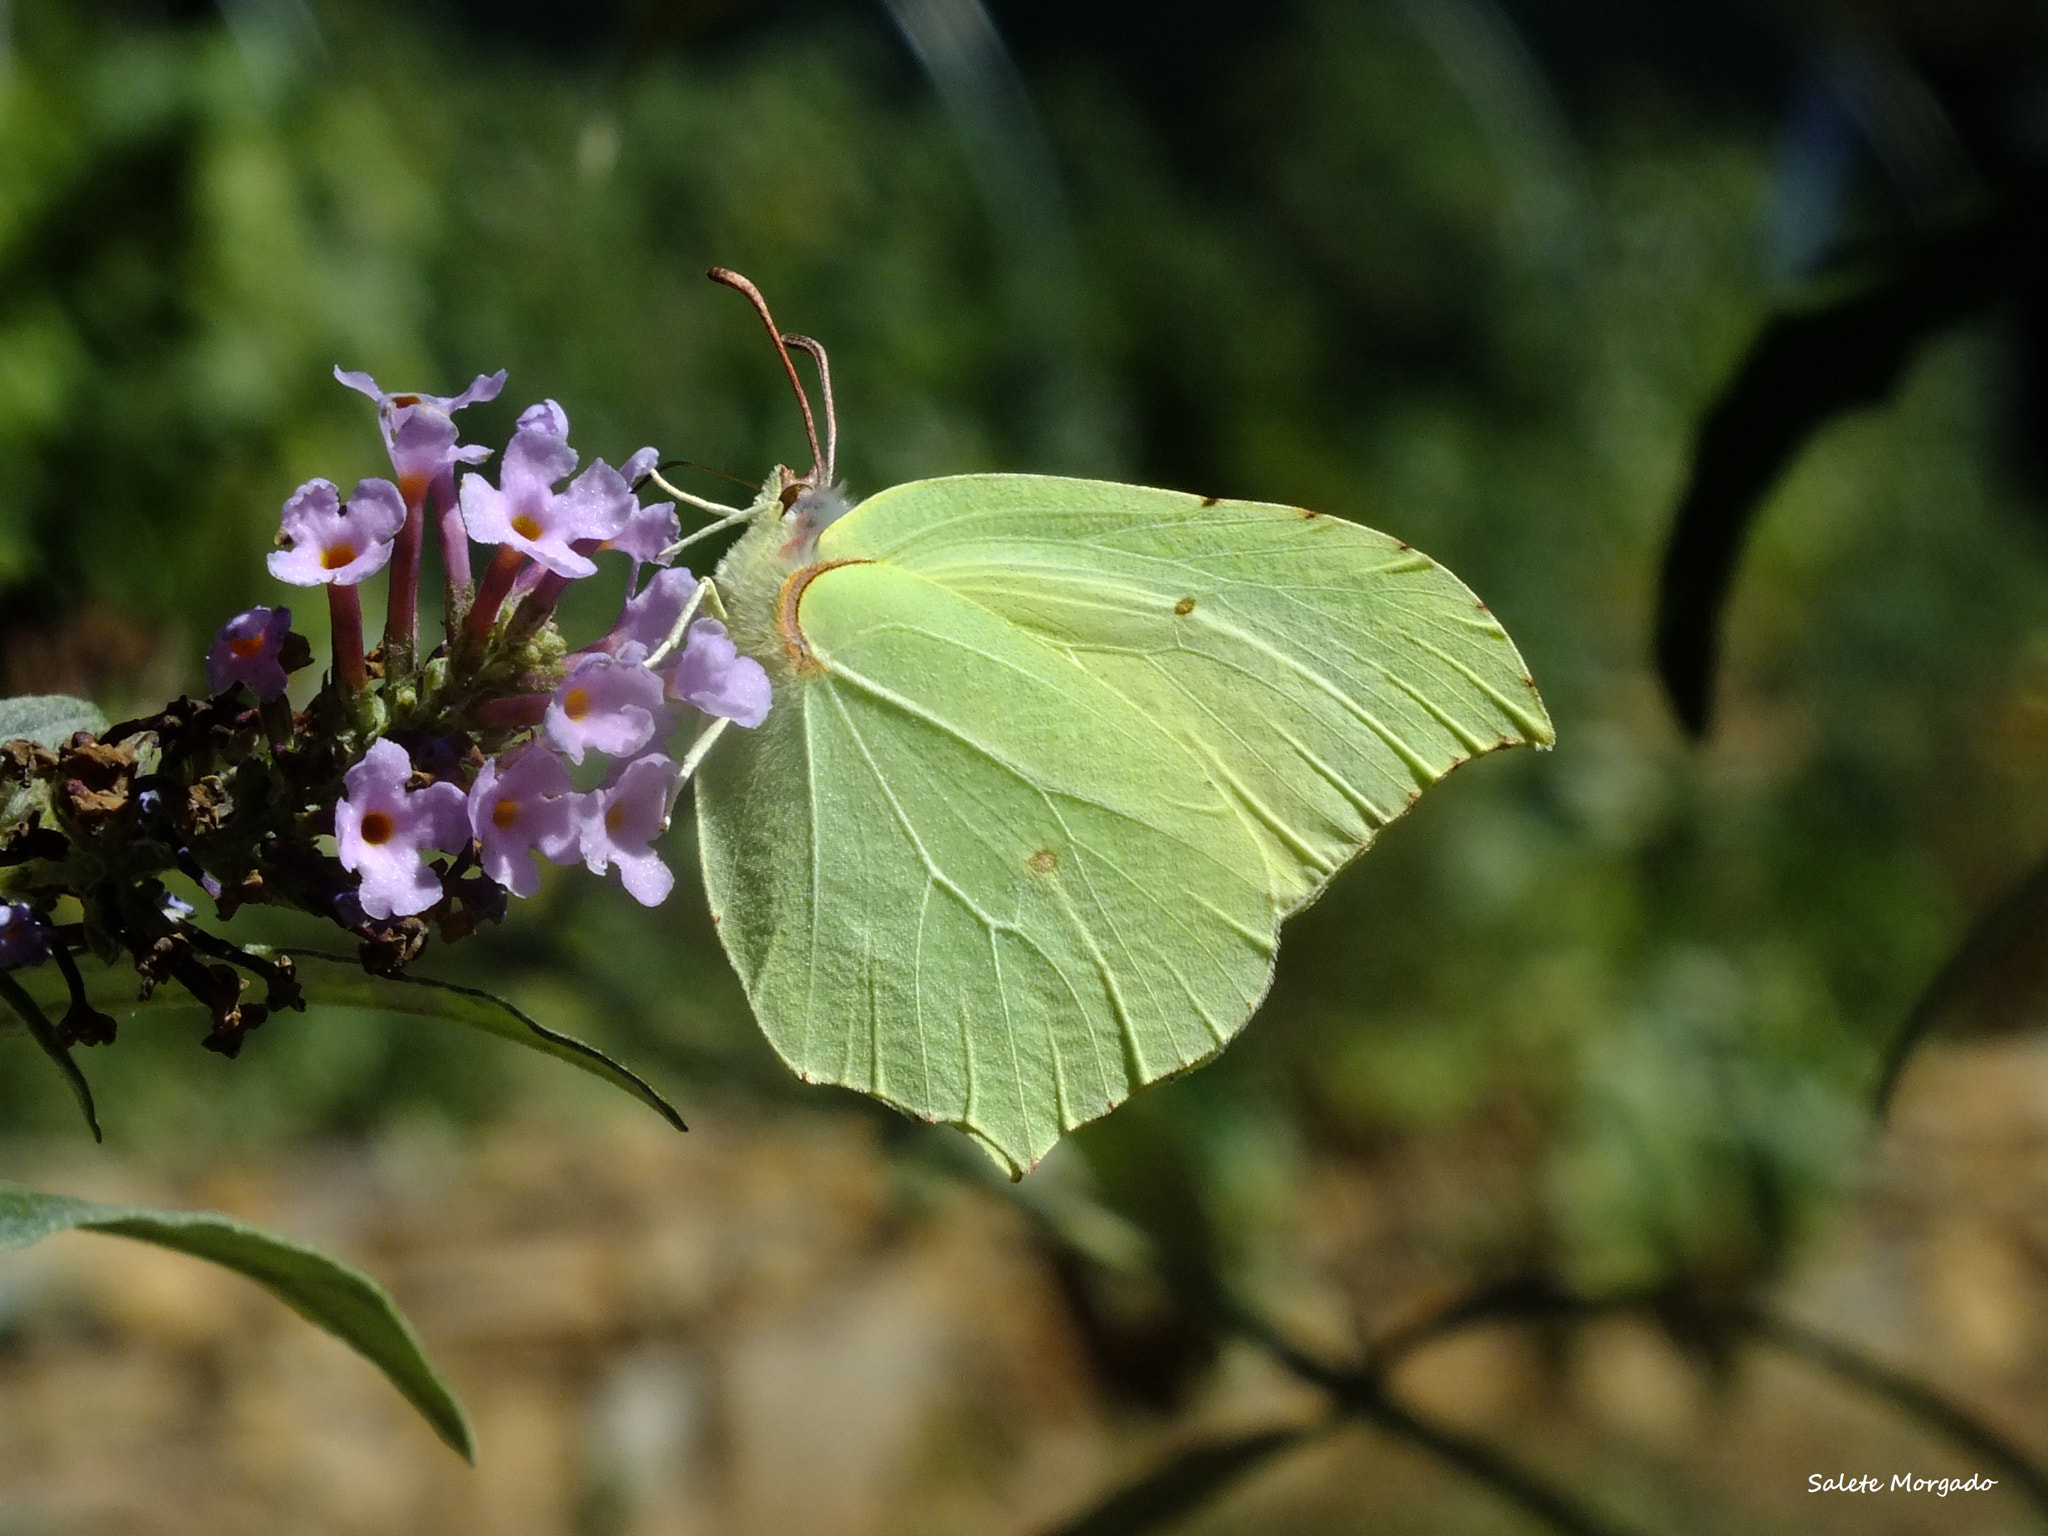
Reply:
x=732 y=519
x=718 y=508
x=704 y=598
x=706 y=740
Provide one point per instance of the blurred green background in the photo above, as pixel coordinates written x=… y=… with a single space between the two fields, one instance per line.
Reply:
x=1468 y=273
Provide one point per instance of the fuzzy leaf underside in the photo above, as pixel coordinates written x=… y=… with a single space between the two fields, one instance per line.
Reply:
x=49 y=719
x=1049 y=762
x=324 y=1291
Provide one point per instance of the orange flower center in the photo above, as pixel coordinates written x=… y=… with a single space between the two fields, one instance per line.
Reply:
x=505 y=814
x=527 y=526
x=614 y=818
x=242 y=650
x=377 y=828
x=576 y=703
x=336 y=556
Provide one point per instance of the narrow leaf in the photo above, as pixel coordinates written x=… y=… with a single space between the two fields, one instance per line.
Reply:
x=324 y=1291
x=342 y=983
x=337 y=981
x=1182 y=1485
x=50 y=719
x=2009 y=922
x=38 y=1024
x=1805 y=370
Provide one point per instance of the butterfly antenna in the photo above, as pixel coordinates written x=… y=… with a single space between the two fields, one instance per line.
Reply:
x=707 y=469
x=817 y=352
x=733 y=280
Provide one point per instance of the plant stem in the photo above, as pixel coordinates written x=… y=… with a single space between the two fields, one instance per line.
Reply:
x=402 y=618
x=490 y=597
x=461 y=586
x=345 y=617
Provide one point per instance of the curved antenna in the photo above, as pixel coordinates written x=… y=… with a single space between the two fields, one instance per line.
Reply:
x=708 y=469
x=817 y=351
x=734 y=281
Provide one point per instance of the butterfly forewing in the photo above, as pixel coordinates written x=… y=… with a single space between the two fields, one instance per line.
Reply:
x=1323 y=673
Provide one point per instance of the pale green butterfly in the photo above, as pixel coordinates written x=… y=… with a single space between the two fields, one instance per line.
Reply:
x=1048 y=763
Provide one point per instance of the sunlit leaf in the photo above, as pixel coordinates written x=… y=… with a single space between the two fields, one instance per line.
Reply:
x=324 y=1291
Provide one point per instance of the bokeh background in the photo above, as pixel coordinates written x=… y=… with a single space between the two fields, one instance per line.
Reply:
x=1606 y=1021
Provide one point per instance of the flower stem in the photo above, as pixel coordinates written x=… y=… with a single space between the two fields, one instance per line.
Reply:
x=461 y=590
x=402 y=622
x=345 y=616
x=490 y=597
x=534 y=608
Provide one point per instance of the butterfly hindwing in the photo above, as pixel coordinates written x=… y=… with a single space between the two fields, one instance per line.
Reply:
x=1005 y=900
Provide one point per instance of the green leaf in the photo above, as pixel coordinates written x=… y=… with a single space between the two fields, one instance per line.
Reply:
x=1048 y=763
x=324 y=1291
x=24 y=1007
x=1181 y=1485
x=342 y=983
x=338 y=981
x=50 y=719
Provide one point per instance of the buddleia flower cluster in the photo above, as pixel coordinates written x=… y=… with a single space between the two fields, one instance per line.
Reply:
x=419 y=787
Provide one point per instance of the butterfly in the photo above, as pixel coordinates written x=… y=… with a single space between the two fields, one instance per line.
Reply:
x=1048 y=764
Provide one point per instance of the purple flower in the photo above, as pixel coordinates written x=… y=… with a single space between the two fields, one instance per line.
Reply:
x=24 y=938
x=649 y=530
x=522 y=803
x=386 y=832
x=647 y=617
x=610 y=706
x=712 y=675
x=246 y=651
x=652 y=528
x=525 y=512
x=547 y=418
x=621 y=822
x=336 y=545
x=419 y=433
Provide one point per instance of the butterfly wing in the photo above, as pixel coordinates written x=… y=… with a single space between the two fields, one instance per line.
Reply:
x=1323 y=673
x=957 y=873
x=1049 y=763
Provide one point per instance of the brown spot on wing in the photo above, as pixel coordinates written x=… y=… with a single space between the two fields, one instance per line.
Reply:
x=1184 y=607
x=1305 y=512
x=1210 y=501
x=1043 y=862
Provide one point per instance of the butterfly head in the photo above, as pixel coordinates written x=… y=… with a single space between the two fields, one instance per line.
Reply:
x=807 y=511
